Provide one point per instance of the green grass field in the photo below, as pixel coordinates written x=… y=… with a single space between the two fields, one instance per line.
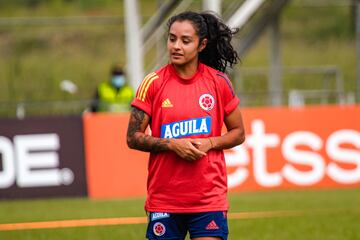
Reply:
x=318 y=215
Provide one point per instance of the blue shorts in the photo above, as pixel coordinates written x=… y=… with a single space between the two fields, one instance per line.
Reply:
x=175 y=226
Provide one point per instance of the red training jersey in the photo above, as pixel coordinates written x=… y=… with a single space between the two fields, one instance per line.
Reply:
x=186 y=108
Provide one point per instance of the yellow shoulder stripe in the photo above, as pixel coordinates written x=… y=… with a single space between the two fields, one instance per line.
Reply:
x=141 y=87
x=144 y=86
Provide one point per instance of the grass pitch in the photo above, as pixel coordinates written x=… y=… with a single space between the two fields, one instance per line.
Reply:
x=320 y=214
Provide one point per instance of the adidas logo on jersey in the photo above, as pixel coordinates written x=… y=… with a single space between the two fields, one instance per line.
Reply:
x=166 y=103
x=212 y=226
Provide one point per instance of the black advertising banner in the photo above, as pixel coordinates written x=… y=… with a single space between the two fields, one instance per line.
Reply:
x=42 y=157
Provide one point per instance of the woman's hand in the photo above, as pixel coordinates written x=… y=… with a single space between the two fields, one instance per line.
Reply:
x=203 y=144
x=187 y=149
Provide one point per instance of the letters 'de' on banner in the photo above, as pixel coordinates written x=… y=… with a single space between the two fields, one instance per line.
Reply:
x=42 y=157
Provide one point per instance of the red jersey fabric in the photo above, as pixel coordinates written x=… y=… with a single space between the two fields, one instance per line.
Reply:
x=186 y=108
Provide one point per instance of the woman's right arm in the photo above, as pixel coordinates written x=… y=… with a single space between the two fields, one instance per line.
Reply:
x=138 y=139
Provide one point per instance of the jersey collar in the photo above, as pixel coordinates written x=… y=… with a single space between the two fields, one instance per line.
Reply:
x=192 y=79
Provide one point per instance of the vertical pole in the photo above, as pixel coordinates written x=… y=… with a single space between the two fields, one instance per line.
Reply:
x=160 y=43
x=275 y=81
x=357 y=25
x=212 y=5
x=134 y=55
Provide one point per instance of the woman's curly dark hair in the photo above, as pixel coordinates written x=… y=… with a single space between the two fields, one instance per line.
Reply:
x=218 y=53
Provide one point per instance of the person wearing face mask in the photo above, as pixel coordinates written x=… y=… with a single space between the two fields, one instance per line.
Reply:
x=114 y=95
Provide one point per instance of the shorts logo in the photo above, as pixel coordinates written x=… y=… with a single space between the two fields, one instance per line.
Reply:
x=194 y=126
x=212 y=226
x=159 y=229
x=206 y=102
x=159 y=215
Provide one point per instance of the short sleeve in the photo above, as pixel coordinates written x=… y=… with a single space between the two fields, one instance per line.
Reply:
x=145 y=94
x=229 y=99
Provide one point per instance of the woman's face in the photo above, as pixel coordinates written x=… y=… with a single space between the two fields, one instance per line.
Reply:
x=183 y=43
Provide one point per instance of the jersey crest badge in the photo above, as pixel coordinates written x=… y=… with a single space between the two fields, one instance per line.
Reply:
x=207 y=102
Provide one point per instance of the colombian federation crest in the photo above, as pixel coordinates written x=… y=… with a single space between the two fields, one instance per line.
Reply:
x=206 y=102
x=159 y=229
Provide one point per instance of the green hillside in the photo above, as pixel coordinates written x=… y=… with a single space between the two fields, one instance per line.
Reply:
x=35 y=58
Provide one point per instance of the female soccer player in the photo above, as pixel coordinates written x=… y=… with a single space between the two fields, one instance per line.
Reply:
x=185 y=103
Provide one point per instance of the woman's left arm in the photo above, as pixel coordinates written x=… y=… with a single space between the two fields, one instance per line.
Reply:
x=235 y=132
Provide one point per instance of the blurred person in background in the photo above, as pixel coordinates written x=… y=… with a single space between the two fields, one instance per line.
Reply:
x=186 y=103
x=114 y=95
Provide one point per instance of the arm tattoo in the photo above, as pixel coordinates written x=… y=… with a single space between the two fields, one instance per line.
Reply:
x=136 y=118
x=139 y=140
